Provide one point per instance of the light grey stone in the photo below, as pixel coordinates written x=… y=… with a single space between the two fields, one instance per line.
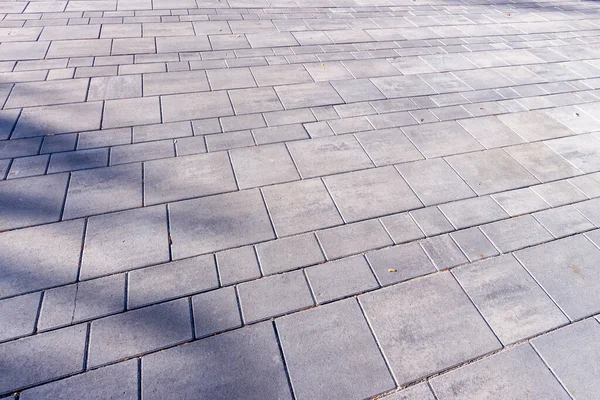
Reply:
x=490 y=132
x=215 y=312
x=263 y=165
x=388 y=146
x=125 y=240
x=517 y=373
x=573 y=353
x=168 y=281
x=420 y=391
x=308 y=95
x=399 y=263
x=520 y=201
x=273 y=296
x=29 y=94
x=431 y=221
x=141 y=152
x=544 y=163
x=441 y=139
x=18 y=316
x=175 y=82
x=338 y=279
x=474 y=244
x=139 y=331
x=353 y=238
x=559 y=193
x=219 y=222
x=181 y=107
x=472 y=212
x=247 y=101
x=66 y=118
x=443 y=252
x=516 y=233
x=289 y=253
x=590 y=210
x=27 y=166
x=564 y=268
x=237 y=265
x=563 y=221
x=229 y=364
x=402 y=228
x=424 y=334
x=508 y=298
x=128 y=112
x=330 y=352
x=534 y=125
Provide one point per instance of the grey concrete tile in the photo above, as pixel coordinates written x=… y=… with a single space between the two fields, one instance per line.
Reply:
x=490 y=132
x=473 y=212
x=231 y=78
x=136 y=332
x=280 y=133
x=19 y=148
x=520 y=201
x=564 y=269
x=544 y=163
x=517 y=373
x=103 y=138
x=431 y=221
x=353 y=238
x=588 y=184
x=32 y=201
x=77 y=160
x=219 y=222
x=443 y=252
x=422 y=335
x=273 y=296
x=168 y=281
x=232 y=374
x=370 y=193
x=516 y=233
x=434 y=181
x=147 y=133
x=280 y=75
x=190 y=145
x=354 y=90
x=388 y=146
x=241 y=122
x=246 y=101
x=572 y=353
x=574 y=119
x=370 y=68
x=559 y=193
x=18 y=315
x=181 y=44
x=350 y=125
x=53 y=144
x=402 y=228
x=30 y=94
x=509 y=299
x=563 y=221
x=308 y=95
x=181 y=107
x=175 y=82
x=289 y=253
x=327 y=71
x=27 y=166
x=445 y=83
x=53 y=248
x=229 y=140
x=215 y=311
x=491 y=171
x=583 y=151
x=211 y=27
x=179 y=178
x=128 y=112
x=399 y=263
x=78 y=48
x=441 y=139
x=402 y=86
x=41 y=358
x=534 y=125
x=263 y=165
x=338 y=279
x=125 y=240
x=448 y=62
x=237 y=265
x=420 y=391
x=329 y=349
x=66 y=305
x=590 y=210
x=228 y=42
x=326 y=156
x=141 y=152
x=474 y=244
x=119 y=380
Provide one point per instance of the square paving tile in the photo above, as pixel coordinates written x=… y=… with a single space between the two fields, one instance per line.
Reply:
x=371 y=193
x=263 y=165
x=421 y=335
x=330 y=352
x=208 y=224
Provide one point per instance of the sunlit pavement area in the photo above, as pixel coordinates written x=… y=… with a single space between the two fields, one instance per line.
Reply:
x=299 y=199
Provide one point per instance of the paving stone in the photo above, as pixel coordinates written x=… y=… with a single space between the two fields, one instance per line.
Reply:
x=23 y=50
x=388 y=146
x=289 y=253
x=402 y=228
x=307 y=95
x=78 y=48
x=42 y=358
x=338 y=279
x=241 y=122
x=520 y=201
x=246 y=101
x=263 y=165
x=472 y=212
x=422 y=335
x=82 y=301
x=215 y=311
x=162 y=131
x=572 y=353
x=136 y=332
x=180 y=44
x=574 y=119
x=279 y=134
x=125 y=240
x=40 y=121
x=280 y=75
x=534 y=125
x=118 y=113
x=224 y=362
x=490 y=171
x=581 y=151
x=190 y=145
x=175 y=82
x=141 y=152
x=326 y=156
x=399 y=263
x=116 y=381
x=443 y=252
x=559 y=193
x=168 y=281
x=589 y=209
x=76 y=160
x=517 y=373
x=237 y=265
x=18 y=315
x=53 y=144
x=273 y=296
x=318 y=368
x=370 y=193
x=19 y=148
x=27 y=166
x=29 y=94
x=219 y=222
x=228 y=42
x=181 y=107
x=185 y=177
x=563 y=221
x=434 y=181
x=420 y=391
x=490 y=132
x=353 y=238
x=588 y=184
x=32 y=201
x=542 y=162
x=431 y=221
x=516 y=233
x=402 y=86
x=564 y=268
x=441 y=139
x=510 y=300
x=354 y=90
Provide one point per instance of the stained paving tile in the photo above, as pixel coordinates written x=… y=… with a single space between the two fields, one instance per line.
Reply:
x=422 y=335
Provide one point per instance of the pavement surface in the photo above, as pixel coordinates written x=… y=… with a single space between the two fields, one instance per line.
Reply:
x=299 y=199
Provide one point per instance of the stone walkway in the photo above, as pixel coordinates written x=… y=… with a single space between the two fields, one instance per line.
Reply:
x=299 y=199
